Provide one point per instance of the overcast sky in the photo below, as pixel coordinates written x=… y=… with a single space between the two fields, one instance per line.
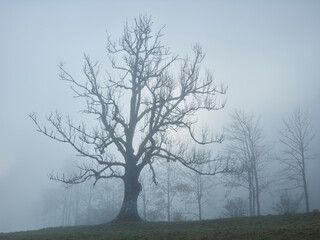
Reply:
x=267 y=52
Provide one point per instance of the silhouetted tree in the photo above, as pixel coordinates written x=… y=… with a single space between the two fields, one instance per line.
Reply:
x=296 y=137
x=138 y=113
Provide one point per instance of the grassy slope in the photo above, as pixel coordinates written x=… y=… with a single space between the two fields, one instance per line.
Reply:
x=299 y=226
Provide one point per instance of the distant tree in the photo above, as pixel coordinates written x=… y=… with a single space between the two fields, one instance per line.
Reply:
x=81 y=204
x=52 y=207
x=147 y=196
x=248 y=151
x=198 y=187
x=162 y=201
x=138 y=113
x=287 y=204
x=197 y=192
x=296 y=137
x=236 y=207
x=171 y=185
x=102 y=202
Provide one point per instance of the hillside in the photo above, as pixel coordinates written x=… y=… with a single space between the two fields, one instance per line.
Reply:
x=298 y=226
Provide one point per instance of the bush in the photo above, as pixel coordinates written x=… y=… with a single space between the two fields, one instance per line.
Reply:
x=287 y=204
x=236 y=207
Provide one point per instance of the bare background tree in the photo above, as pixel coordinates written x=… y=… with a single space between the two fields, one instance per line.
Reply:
x=145 y=195
x=138 y=113
x=248 y=151
x=199 y=187
x=169 y=189
x=81 y=204
x=296 y=136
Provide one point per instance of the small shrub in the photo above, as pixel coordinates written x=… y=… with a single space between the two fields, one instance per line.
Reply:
x=287 y=204
x=236 y=207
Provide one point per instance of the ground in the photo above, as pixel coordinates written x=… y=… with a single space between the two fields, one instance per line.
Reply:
x=293 y=227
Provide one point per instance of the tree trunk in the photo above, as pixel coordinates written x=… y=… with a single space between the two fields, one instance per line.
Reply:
x=89 y=204
x=257 y=191
x=250 y=195
x=253 y=201
x=168 y=200
x=199 y=209
x=306 y=193
x=132 y=188
x=76 y=221
x=305 y=188
x=144 y=201
x=199 y=195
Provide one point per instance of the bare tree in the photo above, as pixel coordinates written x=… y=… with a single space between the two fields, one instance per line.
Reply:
x=144 y=195
x=198 y=191
x=52 y=207
x=162 y=197
x=147 y=195
x=199 y=187
x=248 y=153
x=138 y=113
x=170 y=187
x=296 y=137
x=287 y=204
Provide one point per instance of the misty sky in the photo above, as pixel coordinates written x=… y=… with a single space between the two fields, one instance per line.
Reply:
x=267 y=52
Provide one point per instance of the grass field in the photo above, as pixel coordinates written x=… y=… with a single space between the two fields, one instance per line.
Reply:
x=291 y=227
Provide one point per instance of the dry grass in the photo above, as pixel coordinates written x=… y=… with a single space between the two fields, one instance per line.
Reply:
x=293 y=227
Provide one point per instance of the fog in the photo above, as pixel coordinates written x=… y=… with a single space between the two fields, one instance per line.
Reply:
x=268 y=53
